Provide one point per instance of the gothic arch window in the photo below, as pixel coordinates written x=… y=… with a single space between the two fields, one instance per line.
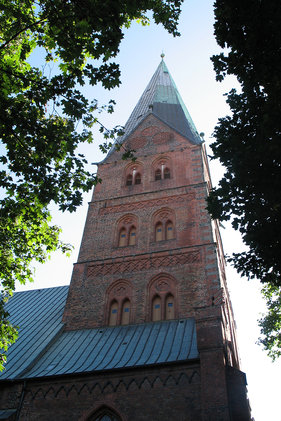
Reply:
x=162 y=168
x=167 y=173
x=119 y=297
x=122 y=237
x=159 y=232
x=104 y=414
x=156 y=309
x=162 y=293
x=125 y=317
x=132 y=236
x=138 y=178
x=169 y=232
x=129 y=180
x=126 y=231
x=113 y=313
x=170 y=307
x=134 y=174
x=157 y=174
x=164 y=225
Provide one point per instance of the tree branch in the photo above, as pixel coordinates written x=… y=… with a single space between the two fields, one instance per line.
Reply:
x=3 y=46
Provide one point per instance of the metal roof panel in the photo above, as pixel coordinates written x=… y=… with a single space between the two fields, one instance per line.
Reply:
x=44 y=349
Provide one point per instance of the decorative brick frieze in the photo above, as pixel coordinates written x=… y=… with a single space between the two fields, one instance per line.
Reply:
x=144 y=262
x=130 y=207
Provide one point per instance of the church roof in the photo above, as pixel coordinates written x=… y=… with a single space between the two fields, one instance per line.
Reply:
x=162 y=99
x=44 y=349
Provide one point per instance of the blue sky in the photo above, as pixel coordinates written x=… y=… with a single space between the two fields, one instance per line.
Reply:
x=188 y=60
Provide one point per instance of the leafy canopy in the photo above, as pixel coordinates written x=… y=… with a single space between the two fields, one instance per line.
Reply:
x=247 y=142
x=39 y=115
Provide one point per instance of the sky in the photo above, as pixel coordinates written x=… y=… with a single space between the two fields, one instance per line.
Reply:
x=188 y=60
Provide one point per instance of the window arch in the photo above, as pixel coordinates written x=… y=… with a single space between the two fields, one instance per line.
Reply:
x=119 y=298
x=167 y=173
x=156 y=309
x=113 y=313
x=170 y=307
x=122 y=237
x=159 y=232
x=162 y=168
x=157 y=174
x=104 y=414
x=162 y=293
x=125 y=317
x=126 y=231
x=164 y=225
x=129 y=180
x=132 y=236
x=138 y=178
x=134 y=174
x=169 y=230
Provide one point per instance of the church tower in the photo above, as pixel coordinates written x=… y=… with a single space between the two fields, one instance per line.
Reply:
x=152 y=259
x=145 y=330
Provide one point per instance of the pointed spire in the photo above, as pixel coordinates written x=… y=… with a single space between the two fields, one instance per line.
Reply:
x=162 y=99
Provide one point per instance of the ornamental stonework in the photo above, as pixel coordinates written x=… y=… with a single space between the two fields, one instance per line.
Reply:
x=126 y=207
x=144 y=263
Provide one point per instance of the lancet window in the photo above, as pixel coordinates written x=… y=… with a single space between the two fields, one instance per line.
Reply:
x=164 y=225
x=162 y=298
x=119 y=303
x=162 y=169
x=134 y=174
x=127 y=231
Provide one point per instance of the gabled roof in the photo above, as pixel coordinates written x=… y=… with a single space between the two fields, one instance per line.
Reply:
x=162 y=99
x=44 y=349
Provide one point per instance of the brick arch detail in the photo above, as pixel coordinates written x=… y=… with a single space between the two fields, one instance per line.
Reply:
x=163 y=215
x=119 y=291
x=160 y=163
x=99 y=409
x=133 y=168
x=162 y=285
x=127 y=222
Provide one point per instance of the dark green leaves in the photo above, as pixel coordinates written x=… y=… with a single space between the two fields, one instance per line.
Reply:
x=248 y=141
x=40 y=113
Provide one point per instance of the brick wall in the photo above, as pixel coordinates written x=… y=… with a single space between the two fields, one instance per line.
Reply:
x=134 y=395
x=190 y=257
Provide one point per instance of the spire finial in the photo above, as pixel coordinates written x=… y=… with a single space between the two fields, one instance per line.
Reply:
x=162 y=55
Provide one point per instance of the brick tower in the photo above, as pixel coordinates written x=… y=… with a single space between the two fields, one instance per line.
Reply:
x=151 y=253
x=147 y=331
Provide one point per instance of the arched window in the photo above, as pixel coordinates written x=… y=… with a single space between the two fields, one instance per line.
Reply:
x=170 y=307
x=133 y=174
x=132 y=236
x=159 y=232
x=138 y=178
x=125 y=318
x=156 y=309
x=122 y=237
x=129 y=180
x=126 y=231
x=162 y=303
x=118 y=303
x=169 y=230
x=104 y=414
x=157 y=174
x=113 y=313
x=167 y=173
x=164 y=225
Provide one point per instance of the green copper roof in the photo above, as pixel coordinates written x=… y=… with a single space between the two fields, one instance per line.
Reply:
x=162 y=99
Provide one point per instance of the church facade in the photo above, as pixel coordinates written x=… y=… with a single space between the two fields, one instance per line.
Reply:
x=145 y=330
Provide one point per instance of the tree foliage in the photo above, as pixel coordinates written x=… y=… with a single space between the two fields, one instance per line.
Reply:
x=39 y=116
x=247 y=142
